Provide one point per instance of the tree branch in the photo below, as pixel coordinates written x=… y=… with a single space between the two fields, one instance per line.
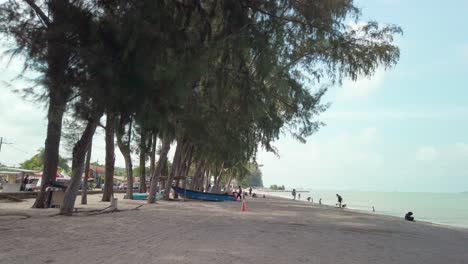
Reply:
x=45 y=19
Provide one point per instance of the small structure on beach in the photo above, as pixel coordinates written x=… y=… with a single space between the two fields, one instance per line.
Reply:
x=12 y=179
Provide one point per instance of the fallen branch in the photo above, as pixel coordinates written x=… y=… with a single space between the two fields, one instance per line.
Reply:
x=113 y=211
x=11 y=198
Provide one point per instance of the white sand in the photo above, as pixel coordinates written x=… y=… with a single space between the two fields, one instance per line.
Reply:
x=272 y=231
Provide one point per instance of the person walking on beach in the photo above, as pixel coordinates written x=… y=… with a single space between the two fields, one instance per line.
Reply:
x=373 y=209
x=299 y=195
x=250 y=191
x=239 y=194
x=294 y=194
x=320 y=201
x=340 y=199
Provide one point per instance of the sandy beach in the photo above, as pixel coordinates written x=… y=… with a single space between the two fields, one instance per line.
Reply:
x=273 y=230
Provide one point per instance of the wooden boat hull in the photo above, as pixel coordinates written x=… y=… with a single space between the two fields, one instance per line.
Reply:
x=190 y=194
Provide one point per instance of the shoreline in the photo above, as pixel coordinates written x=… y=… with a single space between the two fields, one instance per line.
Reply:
x=454 y=226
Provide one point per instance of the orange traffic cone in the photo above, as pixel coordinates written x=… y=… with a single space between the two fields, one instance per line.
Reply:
x=243 y=207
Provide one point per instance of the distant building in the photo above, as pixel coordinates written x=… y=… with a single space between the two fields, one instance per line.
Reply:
x=11 y=179
x=97 y=173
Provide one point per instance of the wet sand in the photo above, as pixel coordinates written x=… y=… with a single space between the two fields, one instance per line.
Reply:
x=273 y=230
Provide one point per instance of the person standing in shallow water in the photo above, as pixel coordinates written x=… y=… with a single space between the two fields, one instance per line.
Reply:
x=294 y=194
x=340 y=199
x=299 y=196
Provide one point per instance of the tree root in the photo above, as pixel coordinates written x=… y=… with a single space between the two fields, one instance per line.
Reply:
x=104 y=211
x=10 y=198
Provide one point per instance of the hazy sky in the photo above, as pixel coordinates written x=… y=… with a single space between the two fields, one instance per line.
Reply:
x=404 y=129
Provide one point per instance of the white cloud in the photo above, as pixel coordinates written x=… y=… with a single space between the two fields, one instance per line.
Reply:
x=360 y=89
x=426 y=153
x=366 y=159
x=332 y=161
x=462 y=148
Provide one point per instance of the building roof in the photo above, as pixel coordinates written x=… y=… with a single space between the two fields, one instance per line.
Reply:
x=98 y=169
x=20 y=170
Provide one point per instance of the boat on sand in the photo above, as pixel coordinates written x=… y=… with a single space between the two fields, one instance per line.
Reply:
x=191 y=194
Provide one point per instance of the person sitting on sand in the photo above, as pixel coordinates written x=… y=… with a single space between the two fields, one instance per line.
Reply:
x=294 y=194
x=340 y=199
x=409 y=217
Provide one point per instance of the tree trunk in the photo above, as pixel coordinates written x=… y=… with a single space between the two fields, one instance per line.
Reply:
x=124 y=148
x=196 y=175
x=57 y=58
x=175 y=167
x=166 y=145
x=164 y=172
x=129 y=169
x=84 y=191
x=188 y=163
x=208 y=179
x=201 y=179
x=79 y=152
x=110 y=158
x=181 y=170
x=229 y=181
x=52 y=144
x=154 y=139
x=218 y=179
x=143 y=161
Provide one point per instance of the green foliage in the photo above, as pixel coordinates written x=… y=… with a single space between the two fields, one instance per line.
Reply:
x=222 y=77
x=253 y=178
x=37 y=163
x=275 y=187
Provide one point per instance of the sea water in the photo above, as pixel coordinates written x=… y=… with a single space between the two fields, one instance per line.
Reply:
x=441 y=208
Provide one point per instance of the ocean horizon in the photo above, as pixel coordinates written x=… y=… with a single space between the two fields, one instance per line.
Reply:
x=439 y=208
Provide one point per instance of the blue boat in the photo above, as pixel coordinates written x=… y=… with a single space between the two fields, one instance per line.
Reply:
x=190 y=194
x=138 y=196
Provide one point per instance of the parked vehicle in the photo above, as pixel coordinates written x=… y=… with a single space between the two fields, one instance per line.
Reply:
x=115 y=186
x=123 y=186
x=90 y=186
